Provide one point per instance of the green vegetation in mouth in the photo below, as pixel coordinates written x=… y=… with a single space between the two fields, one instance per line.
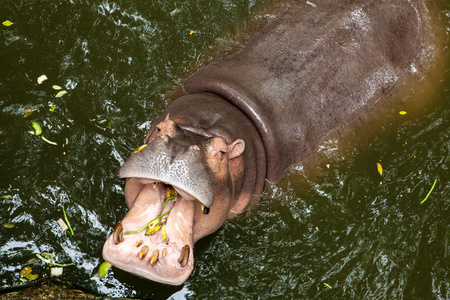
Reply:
x=155 y=224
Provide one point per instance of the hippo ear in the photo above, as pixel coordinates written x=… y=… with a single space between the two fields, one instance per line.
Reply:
x=236 y=148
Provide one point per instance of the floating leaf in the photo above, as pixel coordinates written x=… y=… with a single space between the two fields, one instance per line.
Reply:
x=28 y=112
x=50 y=258
x=380 y=168
x=402 y=112
x=60 y=94
x=104 y=268
x=32 y=277
x=48 y=141
x=429 y=192
x=25 y=271
x=191 y=32
x=56 y=271
x=41 y=79
x=37 y=128
x=56 y=87
x=7 y=23
x=62 y=224
x=67 y=220
x=8 y=225
x=140 y=148
x=327 y=285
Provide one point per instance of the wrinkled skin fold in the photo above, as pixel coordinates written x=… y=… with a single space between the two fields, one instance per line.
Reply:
x=251 y=115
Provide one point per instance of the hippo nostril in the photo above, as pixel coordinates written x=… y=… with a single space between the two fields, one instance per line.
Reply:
x=143 y=253
x=118 y=233
x=154 y=257
x=184 y=256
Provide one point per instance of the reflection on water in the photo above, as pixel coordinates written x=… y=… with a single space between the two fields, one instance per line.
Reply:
x=333 y=220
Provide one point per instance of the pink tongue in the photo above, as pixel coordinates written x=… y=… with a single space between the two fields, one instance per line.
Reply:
x=147 y=206
x=179 y=224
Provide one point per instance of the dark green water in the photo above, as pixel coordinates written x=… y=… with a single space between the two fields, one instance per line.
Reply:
x=334 y=220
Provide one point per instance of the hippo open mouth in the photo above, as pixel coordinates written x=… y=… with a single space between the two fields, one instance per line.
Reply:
x=154 y=240
x=163 y=192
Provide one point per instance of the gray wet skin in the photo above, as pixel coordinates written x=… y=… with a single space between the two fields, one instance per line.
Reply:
x=249 y=116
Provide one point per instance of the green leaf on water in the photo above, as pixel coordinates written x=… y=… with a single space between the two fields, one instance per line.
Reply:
x=429 y=192
x=67 y=220
x=104 y=268
x=48 y=141
x=32 y=277
x=37 y=128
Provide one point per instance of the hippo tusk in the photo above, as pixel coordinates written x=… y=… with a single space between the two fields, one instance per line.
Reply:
x=143 y=253
x=205 y=209
x=154 y=257
x=184 y=256
x=118 y=233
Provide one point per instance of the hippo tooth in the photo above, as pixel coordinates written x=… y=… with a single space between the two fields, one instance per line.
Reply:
x=139 y=243
x=205 y=209
x=164 y=252
x=184 y=256
x=154 y=257
x=143 y=252
x=118 y=233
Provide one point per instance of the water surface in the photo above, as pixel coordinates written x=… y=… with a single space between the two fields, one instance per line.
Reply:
x=331 y=221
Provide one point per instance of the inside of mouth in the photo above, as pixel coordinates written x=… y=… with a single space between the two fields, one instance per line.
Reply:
x=169 y=196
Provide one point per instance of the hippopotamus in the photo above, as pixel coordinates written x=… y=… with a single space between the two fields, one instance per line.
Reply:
x=244 y=119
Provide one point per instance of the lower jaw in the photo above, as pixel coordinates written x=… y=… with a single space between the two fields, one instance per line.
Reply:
x=148 y=255
x=158 y=262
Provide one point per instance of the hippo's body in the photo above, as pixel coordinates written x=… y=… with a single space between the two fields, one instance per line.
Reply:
x=251 y=115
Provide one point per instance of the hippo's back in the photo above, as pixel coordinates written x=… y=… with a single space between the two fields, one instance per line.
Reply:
x=313 y=69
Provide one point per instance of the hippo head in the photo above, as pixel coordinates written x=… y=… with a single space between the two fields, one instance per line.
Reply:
x=180 y=187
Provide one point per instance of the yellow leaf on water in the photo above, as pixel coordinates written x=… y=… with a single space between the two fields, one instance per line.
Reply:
x=25 y=271
x=140 y=148
x=56 y=87
x=60 y=94
x=41 y=79
x=191 y=32
x=379 y=168
x=402 y=112
x=7 y=23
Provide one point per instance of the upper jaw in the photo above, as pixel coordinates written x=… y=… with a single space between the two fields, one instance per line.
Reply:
x=184 y=168
x=150 y=256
